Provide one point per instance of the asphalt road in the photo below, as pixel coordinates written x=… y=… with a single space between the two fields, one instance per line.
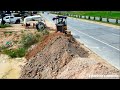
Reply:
x=103 y=40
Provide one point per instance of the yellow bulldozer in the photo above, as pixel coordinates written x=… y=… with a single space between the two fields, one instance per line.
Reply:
x=61 y=24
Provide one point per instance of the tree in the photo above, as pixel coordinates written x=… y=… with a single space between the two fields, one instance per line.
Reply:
x=2 y=16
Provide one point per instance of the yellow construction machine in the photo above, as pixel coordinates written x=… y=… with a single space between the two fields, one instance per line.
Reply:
x=61 y=23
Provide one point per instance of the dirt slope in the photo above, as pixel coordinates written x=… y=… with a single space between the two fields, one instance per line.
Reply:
x=63 y=57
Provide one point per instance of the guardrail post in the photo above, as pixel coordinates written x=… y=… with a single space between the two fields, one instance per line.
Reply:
x=84 y=17
x=117 y=21
x=107 y=19
x=80 y=16
x=88 y=17
x=100 y=18
x=94 y=18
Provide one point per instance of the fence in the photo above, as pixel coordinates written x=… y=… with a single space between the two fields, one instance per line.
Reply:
x=116 y=21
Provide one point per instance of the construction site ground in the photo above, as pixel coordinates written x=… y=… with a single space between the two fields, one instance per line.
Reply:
x=57 y=57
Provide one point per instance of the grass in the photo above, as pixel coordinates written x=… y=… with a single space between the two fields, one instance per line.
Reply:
x=5 y=25
x=104 y=14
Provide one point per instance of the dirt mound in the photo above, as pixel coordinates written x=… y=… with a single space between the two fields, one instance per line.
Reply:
x=62 y=57
x=41 y=45
x=46 y=62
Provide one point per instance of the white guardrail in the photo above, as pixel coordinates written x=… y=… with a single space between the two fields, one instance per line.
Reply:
x=117 y=21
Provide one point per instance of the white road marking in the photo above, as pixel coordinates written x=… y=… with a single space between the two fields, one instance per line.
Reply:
x=116 y=34
x=96 y=39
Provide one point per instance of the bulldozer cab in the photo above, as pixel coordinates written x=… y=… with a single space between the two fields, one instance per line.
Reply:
x=61 y=23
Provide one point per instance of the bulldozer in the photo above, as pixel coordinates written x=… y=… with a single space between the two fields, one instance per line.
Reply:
x=61 y=24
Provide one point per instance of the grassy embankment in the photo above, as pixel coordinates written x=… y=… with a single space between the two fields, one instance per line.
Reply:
x=103 y=14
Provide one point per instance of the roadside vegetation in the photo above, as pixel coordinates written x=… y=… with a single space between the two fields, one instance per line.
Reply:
x=100 y=14
x=5 y=25
x=27 y=39
x=104 y=14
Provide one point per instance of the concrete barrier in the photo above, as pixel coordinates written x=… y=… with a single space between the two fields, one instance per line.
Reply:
x=78 y=16
x=97 y=18
x=112 y=20
x=83 y=16
x=92 y=18
x=87 y=17
x=118 y=21
x=104 y=19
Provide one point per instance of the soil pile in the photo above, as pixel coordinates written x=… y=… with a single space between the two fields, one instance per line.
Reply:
x=58 y=51
x=59 y=56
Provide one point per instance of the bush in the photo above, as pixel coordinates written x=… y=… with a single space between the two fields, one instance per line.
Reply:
x=20 y=52
x=39 y=36
x=45 y=32
x=29 y=39
x=4 y=26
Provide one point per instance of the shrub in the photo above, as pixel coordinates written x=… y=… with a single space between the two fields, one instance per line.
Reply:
x=45 y=32
x=39 y=36
x=28 y=40
x=9 y=53
x=20 y=52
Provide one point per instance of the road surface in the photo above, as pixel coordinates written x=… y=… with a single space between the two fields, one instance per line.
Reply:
x=103 y=40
